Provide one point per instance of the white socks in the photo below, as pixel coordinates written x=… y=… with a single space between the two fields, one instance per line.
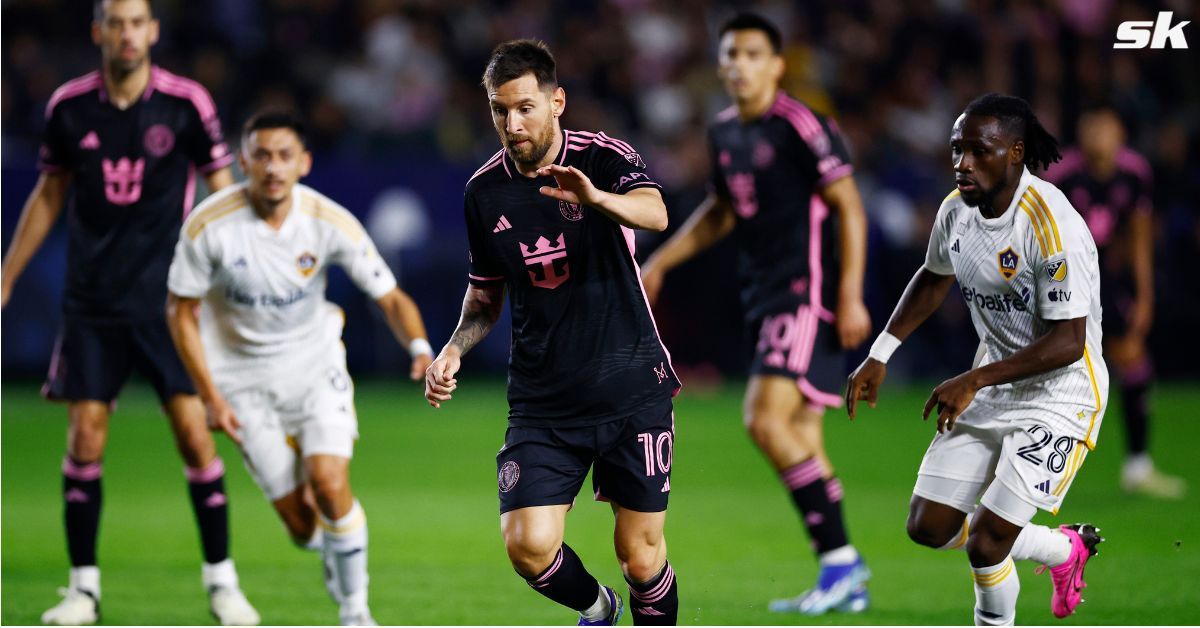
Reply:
x=996 y=590
x=86 y=579
x=600 y=609
x=1042 y=544
x=844 y=555
x=346 y=551
x=220 y=574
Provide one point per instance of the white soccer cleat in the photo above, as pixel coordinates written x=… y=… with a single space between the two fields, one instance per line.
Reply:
x=231 y=608
x=356 y=617
x=77 y=608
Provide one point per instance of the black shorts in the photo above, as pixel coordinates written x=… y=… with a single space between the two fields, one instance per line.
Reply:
x=544 y=466
x=798 y=341
x=93 y=360
x=1117 y=294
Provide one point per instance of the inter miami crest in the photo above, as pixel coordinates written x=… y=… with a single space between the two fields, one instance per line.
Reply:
x=509 y=474
x=570 y=211
x=1008 y=260
x=306 y=263
x=1057 y=271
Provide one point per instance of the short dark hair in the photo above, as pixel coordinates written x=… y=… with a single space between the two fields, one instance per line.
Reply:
x=1017 y=118
x=754 y=22
x=98 y=9
x=514 y=59
x=275 y=119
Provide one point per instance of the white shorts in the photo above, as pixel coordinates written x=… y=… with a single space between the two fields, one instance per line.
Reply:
x=994 y=459
x=305 y=410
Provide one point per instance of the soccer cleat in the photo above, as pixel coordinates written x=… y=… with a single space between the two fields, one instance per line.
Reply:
x=1068 y=577
x=1155 y=484
x=77 y=608
x=839 y=588
x=231 y=608
x=356 y=617
x=616 y=606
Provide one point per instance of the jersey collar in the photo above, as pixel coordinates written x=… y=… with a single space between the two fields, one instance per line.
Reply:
x=155 y=77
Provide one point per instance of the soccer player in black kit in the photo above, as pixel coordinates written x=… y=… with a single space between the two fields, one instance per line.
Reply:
x=551 y=219
x=1111 y=185
x=121 y=148
x=782 y=185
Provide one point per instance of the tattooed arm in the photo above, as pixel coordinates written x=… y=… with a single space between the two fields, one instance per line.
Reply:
x=480 y=311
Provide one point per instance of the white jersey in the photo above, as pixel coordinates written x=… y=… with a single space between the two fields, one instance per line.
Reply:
x=1036 y=263
x=264 y=289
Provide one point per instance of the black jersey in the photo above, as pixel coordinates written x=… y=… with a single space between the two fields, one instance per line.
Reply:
x=770 y=169
x=1106 y=205
x=585 y=348
x=134 y=178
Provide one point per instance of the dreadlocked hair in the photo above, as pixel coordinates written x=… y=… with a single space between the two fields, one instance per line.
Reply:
x=1017 y=117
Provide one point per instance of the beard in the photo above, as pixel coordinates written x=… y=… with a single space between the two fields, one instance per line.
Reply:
x=986 y=198
x=124 y=67
x=537 y=149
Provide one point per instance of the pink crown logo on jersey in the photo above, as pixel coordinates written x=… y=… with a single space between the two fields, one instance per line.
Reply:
x=545 y=256
x=123 y=180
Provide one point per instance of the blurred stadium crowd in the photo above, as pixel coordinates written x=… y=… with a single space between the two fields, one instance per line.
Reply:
x=391 y=89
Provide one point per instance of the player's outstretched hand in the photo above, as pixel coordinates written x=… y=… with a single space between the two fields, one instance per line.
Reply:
x=573 y=185
x=853 y=323
x=951 y=397
x=864 y=384
x=439 y=379
x=221 y=417
x=420 y=364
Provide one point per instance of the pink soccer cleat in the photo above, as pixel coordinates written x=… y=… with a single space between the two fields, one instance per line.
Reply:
x=1068 y=577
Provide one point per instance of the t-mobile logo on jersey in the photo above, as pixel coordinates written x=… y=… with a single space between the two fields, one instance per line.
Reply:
x=544 y=256
x=123 y=180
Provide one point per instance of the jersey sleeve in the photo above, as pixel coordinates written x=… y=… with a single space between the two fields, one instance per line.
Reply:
x=484 y=268
x=191 y=270
x=820 y=137
x=617 y=167
x=937 y=256
x=1067 y=274
x=206 y=145
x=53 y=155
x=355 y=252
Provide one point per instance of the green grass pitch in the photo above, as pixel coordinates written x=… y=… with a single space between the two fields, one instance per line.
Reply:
x=427 y=481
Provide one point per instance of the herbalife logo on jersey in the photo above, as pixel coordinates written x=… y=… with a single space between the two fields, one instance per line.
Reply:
x=549 y=261
x=996 y=302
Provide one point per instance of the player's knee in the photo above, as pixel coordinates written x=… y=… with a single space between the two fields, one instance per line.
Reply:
x=764 y=428
x=642 y=563
x=330 y=488
x=530 y=550
x=927 y=533
x=987 y=547
x=87 y=435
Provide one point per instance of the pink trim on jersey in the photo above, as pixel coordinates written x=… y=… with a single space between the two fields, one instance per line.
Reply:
x=181 y=87
x=727 y=114
x=818 y=397
x=630 y=243
x=492 y=162
x=189 y=191
x=838 y=172
x=603 y=139
x=478 y=278
x=73 y=88
x=55 y=360
x=804 y=121
x=817 y=213
x=1071 y=162
x=581 y=144
x=81 y=472
x=218 y=163
x=1130 y=160
x=566 y=147
x=214 y=471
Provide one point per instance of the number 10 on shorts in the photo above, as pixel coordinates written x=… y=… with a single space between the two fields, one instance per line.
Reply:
x=658 y=452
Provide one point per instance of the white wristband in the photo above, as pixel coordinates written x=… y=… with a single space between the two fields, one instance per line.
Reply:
x=883 y=347
x=420 y=346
